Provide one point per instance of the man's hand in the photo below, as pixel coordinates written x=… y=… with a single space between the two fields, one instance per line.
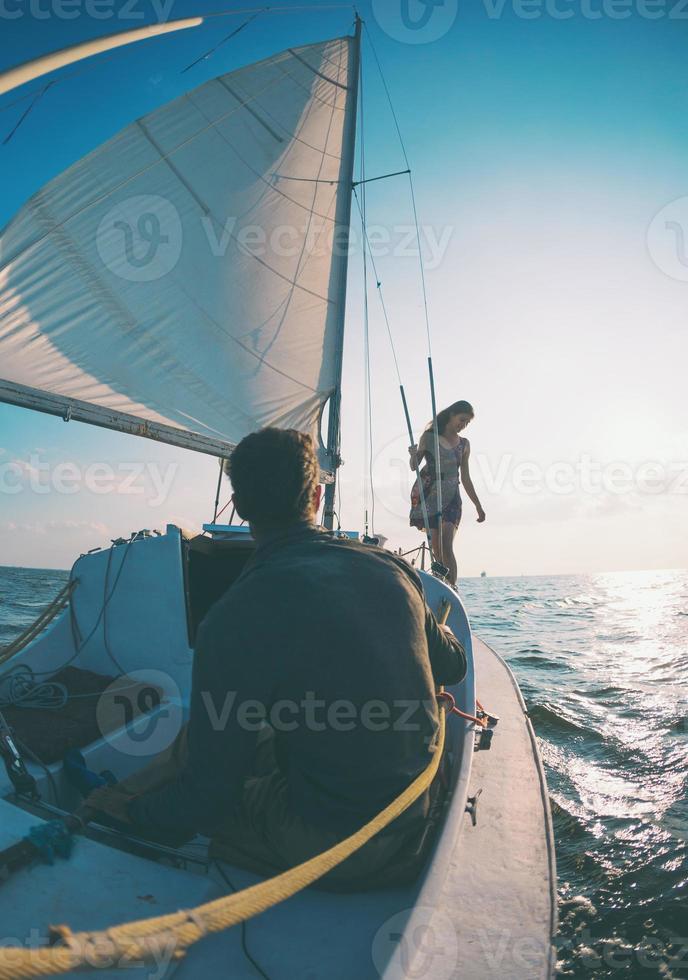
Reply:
x=481 y=515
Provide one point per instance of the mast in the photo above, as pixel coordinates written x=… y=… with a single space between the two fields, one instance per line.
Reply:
x=342 y=231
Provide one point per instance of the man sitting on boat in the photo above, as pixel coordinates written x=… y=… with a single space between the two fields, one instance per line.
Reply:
x=313 y=695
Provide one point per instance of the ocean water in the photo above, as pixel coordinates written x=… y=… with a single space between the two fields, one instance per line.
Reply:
x=602 y=661
x=24 y=593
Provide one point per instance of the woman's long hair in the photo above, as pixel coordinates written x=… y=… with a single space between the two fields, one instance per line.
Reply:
x=458 y=408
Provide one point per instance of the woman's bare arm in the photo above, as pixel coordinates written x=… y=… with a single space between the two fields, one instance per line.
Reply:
x=468 y=483
x=416 y=457
x=418 y=453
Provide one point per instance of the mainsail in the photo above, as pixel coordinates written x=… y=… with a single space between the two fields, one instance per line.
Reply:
x=186 y=280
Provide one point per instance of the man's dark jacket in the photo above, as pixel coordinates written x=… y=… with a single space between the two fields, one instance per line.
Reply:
x=333 y=642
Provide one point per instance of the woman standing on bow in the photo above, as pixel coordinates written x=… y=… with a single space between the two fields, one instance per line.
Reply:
x=454 y=451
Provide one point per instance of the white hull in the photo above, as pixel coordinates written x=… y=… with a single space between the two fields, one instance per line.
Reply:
x=484 y=905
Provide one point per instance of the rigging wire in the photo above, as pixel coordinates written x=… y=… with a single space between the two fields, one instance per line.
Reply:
x=378 y=284
x=37 y=97
x=37 y=94
x=219 y=489
x=280 y=10
x=370 y=180
x=54 y=81
x=221 y=512
x=368 y=487
x=411 y=186
x=211 y=51
x=339 y=505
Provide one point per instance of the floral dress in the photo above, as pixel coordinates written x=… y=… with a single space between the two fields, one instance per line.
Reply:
x=450 y=464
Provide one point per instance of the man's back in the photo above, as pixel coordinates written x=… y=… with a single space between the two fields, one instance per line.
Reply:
x=331 y=637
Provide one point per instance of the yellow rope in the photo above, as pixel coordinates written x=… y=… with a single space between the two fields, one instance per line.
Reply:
x=134 y=942
x=39 y=624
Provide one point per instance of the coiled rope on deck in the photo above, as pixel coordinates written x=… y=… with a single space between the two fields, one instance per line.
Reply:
x=40 y=623
x=135 y=942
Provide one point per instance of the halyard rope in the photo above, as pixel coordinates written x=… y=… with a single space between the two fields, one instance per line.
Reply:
x=135 y=942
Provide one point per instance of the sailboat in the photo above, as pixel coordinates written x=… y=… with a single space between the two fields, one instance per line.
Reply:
x=195 y=347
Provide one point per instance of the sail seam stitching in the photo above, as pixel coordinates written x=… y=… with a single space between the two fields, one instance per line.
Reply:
x=175 y=170
x=294 y=79
x=316 y=72
x=251 y=110
x=323 y=46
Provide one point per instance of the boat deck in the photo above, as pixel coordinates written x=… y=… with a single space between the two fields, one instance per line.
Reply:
x=486 y=906
x=503 y=880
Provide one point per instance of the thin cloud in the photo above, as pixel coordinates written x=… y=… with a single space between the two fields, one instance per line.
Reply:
x=48 y=527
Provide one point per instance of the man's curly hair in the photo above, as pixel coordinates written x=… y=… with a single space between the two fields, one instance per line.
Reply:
x=274 y=476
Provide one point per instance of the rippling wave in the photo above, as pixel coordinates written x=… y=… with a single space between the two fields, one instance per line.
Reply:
x=603 y=664
x=24 y=593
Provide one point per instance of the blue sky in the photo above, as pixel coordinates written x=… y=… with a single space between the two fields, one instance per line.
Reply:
x=543 y=149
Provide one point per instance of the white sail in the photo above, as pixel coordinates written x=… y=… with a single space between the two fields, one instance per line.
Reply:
x=188 y=275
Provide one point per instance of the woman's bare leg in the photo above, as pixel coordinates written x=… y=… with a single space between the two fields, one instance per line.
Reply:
x=443 y=549
x=449 y=559
x=436 y=544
